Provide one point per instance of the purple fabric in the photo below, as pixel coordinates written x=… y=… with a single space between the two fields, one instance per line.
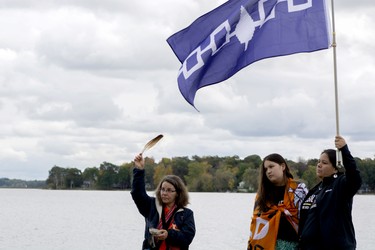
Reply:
x=240 y=32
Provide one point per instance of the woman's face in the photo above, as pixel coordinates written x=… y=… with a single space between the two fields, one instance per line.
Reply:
x=168 y=194
x=275 y=172
x=325 y=167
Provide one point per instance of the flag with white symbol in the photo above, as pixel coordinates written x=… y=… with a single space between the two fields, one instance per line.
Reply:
x=240 y=32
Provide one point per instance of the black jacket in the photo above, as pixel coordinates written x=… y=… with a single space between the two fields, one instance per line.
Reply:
x=326 y=212
x=151 y=210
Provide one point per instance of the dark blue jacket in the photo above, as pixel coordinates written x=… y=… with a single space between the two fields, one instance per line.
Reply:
x=151 y=210
x=326 y=212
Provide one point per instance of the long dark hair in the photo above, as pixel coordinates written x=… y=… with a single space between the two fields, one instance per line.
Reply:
x=266 y=189
x=331 y=153
x=182 y=198
x=332 y=157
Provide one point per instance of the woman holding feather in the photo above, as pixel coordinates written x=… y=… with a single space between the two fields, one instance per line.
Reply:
x=169 y=223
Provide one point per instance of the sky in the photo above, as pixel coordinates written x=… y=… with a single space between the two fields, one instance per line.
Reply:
x=84 y=82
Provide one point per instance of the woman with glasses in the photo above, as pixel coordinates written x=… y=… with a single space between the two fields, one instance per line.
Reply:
x=169 y=223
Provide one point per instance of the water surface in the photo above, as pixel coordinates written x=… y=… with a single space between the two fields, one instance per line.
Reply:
x=49 y=219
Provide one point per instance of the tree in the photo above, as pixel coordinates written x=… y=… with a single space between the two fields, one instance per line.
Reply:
x=255 y=160
x=73 y=178
x=201 y=174
x=90 y=177
x=309 y=177
x=312 y=162
x=162 y=169
x=367 y=168
x=180 y=166
x=56 y=178
x=194 y=177
x=297 y=168
x=149 y=173
x=242 y=167
x=108 y=177
x=224 y=180
x=251 y=179
x=124 y=175
x=206 y=183
x=214 y=161
x=231 y=160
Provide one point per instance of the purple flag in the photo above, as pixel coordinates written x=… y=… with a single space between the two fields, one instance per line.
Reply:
x=239 y=32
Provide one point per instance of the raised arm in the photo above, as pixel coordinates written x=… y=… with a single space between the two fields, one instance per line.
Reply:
x=138 y=192
x=352 y=173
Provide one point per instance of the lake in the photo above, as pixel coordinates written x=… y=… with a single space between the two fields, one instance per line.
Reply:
x=35 y=219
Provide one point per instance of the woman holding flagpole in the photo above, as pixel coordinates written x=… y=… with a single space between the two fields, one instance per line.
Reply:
x=274 y=224
x=169 y=223
x=326 y=212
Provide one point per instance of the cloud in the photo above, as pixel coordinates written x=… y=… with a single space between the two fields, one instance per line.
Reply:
x=87 y=81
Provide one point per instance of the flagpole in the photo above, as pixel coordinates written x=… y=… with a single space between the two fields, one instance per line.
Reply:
x=338 y=152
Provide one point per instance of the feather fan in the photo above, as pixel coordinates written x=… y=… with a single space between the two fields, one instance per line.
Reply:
x=151 y=143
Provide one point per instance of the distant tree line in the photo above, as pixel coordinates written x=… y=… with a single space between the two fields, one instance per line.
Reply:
x=17 y=183
x=201 y=174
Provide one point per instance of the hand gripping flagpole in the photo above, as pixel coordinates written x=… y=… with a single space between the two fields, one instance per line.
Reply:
x=339 y=163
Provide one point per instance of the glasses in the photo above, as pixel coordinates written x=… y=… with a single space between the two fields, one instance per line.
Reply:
x=168 y=190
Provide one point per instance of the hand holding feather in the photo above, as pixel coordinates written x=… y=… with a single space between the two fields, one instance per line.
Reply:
x=138 y=160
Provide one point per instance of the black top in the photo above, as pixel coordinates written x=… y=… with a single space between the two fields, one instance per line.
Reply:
x=326 y=212
x=150 y=208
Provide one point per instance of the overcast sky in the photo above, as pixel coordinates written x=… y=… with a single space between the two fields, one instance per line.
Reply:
x=88 y=81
